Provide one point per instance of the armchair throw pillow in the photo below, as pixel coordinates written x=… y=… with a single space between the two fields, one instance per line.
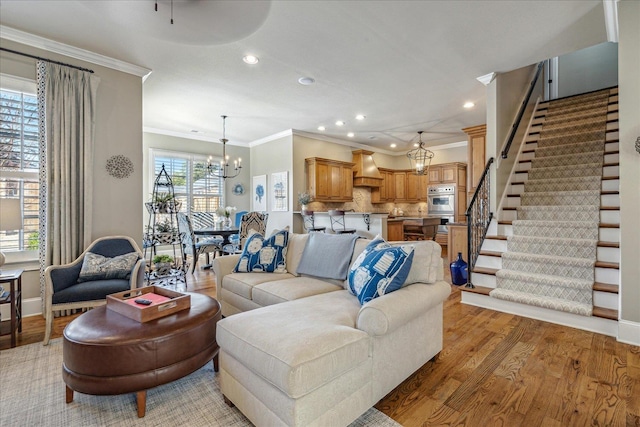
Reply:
x=379 y=269
x=264 y=255
x=98 y=267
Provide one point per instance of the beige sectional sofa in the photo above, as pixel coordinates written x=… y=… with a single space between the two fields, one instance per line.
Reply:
x=303 y=351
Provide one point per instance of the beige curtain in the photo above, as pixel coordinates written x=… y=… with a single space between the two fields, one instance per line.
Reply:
x=67 y=100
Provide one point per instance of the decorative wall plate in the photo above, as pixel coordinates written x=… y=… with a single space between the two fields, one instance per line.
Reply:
x=119 y=166
x=238 y=189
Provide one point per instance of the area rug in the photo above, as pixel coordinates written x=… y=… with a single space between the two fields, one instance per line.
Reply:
x=33 y=394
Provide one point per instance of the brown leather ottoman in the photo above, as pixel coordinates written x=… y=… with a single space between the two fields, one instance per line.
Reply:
x=106 y=353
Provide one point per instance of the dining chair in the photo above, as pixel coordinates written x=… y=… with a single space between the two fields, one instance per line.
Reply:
x=190 y=246
x=309 y=222
x=337 y=222
x=250 y=223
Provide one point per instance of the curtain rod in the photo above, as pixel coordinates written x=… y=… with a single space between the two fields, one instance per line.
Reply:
x=45 y=59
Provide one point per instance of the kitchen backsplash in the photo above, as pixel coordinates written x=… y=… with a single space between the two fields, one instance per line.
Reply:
x=362 y=203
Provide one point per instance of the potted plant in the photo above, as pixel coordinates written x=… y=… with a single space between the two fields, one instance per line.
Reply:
x=163 y=203
x=162 y=264
x=304 y=199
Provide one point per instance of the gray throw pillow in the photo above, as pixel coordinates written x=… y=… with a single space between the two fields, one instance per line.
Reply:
x=98 y=267
x=327 y=255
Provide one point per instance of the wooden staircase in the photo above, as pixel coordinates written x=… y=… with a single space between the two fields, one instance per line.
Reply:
x=606 y=286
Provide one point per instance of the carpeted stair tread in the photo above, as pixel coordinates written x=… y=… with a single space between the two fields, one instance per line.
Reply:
x=574 y=268
x=545 y=279
x=559 y=213
x=570 y=159
x=553 y=111
x=564 y=117
x=559 y=198
x=553 y=246
x=547 y=141
x=569 y=184
x=573 y=127
x=585 y=99
x=575 y=148
x=559 y=229
x=558 y=172
x=543 y=301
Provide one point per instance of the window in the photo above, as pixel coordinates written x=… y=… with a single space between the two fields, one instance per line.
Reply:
x=19 y=161
x=194 y=187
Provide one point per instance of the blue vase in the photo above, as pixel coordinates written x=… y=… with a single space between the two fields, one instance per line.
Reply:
x=459 y=271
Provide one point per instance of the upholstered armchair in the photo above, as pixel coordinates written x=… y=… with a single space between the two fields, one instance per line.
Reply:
x=109 y=265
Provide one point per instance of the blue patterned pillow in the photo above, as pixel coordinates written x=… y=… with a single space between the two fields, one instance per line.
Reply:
x=267 y=256
x=98 y=267
x=379 y=269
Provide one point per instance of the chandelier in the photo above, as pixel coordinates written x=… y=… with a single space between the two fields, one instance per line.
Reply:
x=420 y=158
x=222 y=170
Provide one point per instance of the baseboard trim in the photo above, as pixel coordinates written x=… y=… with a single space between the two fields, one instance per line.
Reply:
x=594 y=324
x=30 y=307
x=629 y=332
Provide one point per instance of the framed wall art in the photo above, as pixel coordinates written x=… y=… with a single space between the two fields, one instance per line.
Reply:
x=279 y=192
x=259 y=193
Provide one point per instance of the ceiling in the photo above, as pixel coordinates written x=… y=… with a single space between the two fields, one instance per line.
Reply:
x=406 y=65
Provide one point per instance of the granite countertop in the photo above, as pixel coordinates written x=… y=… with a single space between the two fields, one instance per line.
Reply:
x=350 y=213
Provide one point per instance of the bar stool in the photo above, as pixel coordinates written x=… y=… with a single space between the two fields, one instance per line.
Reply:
x=337 y=222
x=309 y=223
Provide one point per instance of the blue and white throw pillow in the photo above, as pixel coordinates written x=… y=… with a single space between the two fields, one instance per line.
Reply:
x=264 y=255
x=379 y=269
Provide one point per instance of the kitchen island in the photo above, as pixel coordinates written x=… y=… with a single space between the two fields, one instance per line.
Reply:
x=367 y=224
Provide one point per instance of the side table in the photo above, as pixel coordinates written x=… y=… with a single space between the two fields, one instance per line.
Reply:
x=14 y=277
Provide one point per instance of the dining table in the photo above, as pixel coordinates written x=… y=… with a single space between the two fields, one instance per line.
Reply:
x=225 y=233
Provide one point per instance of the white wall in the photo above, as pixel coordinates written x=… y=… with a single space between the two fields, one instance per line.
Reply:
x=589 y=69
x=270 y=157
x=118 y=130
x=629 y=107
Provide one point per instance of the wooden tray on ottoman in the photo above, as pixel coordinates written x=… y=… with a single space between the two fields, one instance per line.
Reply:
x=164 y=303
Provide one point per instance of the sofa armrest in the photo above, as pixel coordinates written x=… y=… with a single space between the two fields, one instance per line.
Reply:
x=222 y=266
x=388 y=312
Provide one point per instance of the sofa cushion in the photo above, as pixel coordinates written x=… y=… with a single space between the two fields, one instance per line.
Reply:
x=264 y=255
x=427 y=262
x=379 y=269
x=298 y=346
x=290 y=289
x=242 y=283
x=90 y=291
x=98 y=267
x=297 y=242
x=327 y=255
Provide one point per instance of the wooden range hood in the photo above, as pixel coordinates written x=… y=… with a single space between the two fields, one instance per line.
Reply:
x=365 y=172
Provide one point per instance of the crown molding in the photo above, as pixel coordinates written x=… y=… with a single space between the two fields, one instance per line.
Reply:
x=487 y=78
x=48 y=45
x=611 y=19
x=189 y=135
x=270 y=138
x=338 y=141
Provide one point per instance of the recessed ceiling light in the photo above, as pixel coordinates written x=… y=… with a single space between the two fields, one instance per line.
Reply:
x=351 y=134
x=416 y=145
x=393 y=145
x=339 y=123
x=469 y=104
x=321 y=128
x=250 y=59
x=306 y=81
x=360 y=117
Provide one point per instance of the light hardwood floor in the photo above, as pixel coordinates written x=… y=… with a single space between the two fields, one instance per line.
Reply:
x=496 y=369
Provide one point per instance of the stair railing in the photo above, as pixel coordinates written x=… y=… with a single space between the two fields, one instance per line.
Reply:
x=478 y=219
x=523 y=107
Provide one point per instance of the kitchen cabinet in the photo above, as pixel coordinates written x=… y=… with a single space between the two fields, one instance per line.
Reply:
x=457 y=242
x=387 y=191
x=476 y=142
x=435 y=174
x=329 y=180
x=412 y=187
x=400 y=185
x=395 y=232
